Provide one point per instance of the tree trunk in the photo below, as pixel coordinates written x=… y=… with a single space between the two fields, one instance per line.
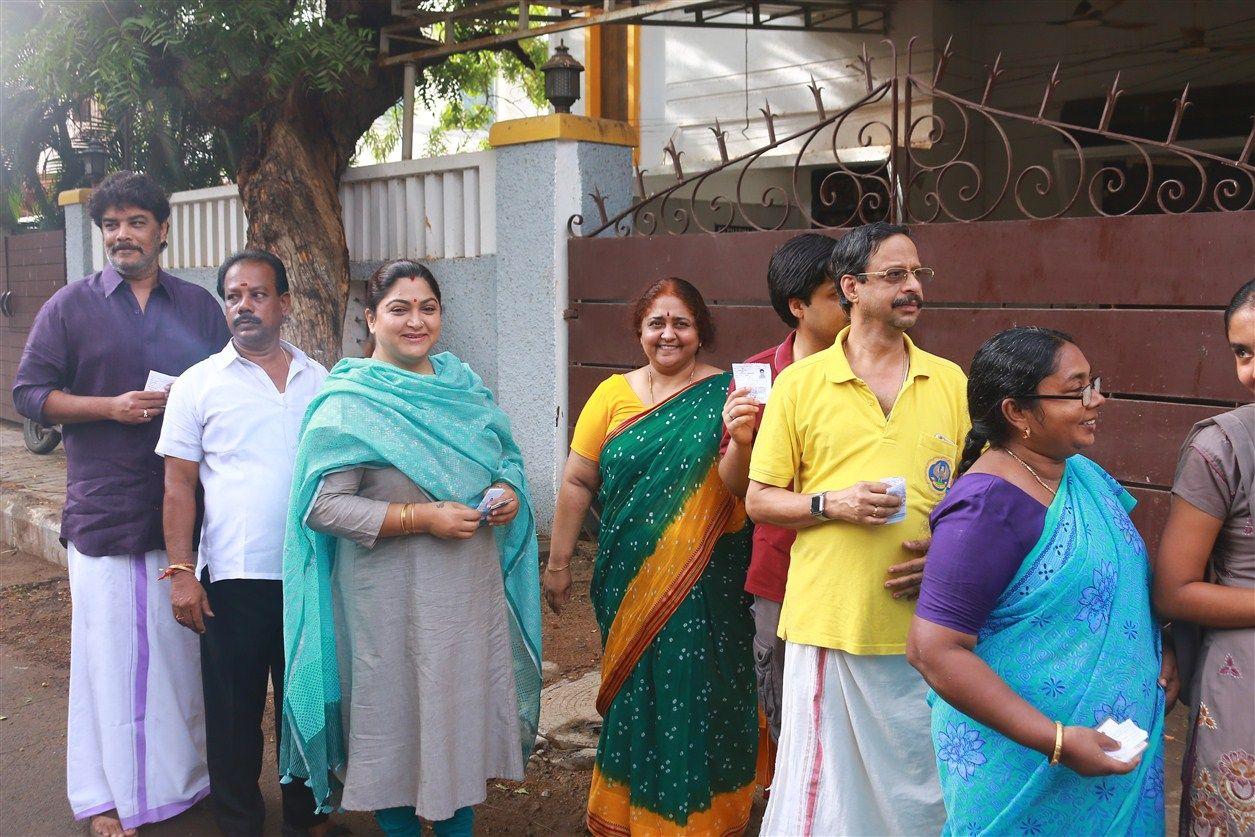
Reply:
x=289 y=178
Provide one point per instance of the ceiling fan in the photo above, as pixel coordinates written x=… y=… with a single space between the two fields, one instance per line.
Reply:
x=1194 y=44
x=1091 y=15
x=1194 y=40
x=1088 y=14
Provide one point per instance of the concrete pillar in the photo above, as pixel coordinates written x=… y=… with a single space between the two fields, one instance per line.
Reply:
x=546 y=168
x=80 y=238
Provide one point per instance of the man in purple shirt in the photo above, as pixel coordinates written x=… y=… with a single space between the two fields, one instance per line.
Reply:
x=136 y=743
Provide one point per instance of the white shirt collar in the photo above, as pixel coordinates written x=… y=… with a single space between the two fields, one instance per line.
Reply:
x=229 y=354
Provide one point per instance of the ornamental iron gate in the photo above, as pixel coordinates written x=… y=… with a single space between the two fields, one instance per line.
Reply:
x=1135 y=261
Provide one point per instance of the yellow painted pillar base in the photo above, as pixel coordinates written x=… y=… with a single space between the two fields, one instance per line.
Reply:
x=562 y=126
x=72 y=197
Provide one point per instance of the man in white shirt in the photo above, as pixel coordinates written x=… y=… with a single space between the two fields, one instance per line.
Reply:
x=232 y=424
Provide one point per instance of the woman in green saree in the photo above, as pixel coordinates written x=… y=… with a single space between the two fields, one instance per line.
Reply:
x=680 y=733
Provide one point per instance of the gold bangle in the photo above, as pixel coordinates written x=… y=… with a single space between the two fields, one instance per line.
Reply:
x=407 y=519
x=1054 y=759
x=558 y=569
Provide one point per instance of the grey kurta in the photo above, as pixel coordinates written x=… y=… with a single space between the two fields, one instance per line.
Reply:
x=430 y=711
x=1215 y=476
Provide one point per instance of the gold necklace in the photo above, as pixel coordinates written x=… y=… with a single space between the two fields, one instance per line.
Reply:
x=1036 y=476
x=650 y=372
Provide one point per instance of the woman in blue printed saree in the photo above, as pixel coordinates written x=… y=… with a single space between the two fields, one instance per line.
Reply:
x=679 y=741
x=1034 y=622
x=411 y=620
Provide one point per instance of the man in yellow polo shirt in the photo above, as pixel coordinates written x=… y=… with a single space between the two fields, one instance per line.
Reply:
x=855 y=751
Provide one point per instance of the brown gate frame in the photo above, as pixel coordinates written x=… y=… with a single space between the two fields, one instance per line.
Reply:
x=32 y=268
x=1141 y=288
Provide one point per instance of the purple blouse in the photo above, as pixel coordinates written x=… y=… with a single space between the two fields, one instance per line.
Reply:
x=92 y=339
x=982 y=531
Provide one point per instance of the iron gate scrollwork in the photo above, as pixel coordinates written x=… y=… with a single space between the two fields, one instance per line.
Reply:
x=928 y=173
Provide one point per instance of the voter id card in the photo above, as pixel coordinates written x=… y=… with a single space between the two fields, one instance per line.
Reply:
x=755 y=376
x=491 y=497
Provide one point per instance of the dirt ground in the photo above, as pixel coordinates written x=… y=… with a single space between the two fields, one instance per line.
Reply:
x=34 y=676
x=34 y=680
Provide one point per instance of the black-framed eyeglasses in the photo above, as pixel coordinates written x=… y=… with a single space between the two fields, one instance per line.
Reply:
x=1085 y=396
x=897 y=275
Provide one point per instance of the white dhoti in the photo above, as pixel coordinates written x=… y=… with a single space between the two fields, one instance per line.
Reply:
x=856 y=754
x=136 y=735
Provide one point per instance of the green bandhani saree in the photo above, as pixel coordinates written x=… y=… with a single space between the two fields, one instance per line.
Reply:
x=680 y=734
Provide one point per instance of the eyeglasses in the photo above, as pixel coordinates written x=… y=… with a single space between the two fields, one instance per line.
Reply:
x=897 y=275
x=1085 y=396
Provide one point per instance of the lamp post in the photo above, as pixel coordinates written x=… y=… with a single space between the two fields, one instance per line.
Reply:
x=95 y=161
x=562 y=79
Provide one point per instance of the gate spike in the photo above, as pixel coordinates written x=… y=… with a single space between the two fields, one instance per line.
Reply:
x=1179 y=111
x=863 y=62
x=671 y=152
x=994 y=72
x=1051 y=84
x=942 y=60
x=600 y=200
x=1250 y=144
x=640 y=183
x=818 y=93
x=771 y=121
x=721 y=137
x=1108 y=109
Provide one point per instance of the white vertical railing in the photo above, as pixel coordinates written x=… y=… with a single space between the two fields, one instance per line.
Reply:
x=437 y=208
x=98 y=248
x=206 y=226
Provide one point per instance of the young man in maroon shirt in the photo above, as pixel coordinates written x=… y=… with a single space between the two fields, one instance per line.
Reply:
x=808 y=301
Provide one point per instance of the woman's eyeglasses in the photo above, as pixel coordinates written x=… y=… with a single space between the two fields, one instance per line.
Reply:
x=897 y=275
x=1085 y=396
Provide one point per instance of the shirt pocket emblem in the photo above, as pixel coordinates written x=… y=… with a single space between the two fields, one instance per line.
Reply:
x=938 y=473
x=935 y=458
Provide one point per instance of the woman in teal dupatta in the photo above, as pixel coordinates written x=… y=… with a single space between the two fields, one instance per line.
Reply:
x=1034 y=623
x=412 y=628
x=678 y=747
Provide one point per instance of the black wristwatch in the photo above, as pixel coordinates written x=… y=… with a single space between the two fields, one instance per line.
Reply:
x=817 y=506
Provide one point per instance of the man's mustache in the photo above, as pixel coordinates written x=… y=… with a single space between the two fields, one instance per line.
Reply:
x=909 y=299
x=118 y=248
x=245 y=318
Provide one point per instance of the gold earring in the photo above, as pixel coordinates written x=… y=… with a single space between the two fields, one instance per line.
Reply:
x=1027 y=433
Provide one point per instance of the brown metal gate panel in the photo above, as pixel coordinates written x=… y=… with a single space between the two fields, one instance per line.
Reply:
x=32 y=267
x=1142 y=295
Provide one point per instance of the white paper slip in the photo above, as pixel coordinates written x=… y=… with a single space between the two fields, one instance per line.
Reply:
x=158 y=381
x=897 y=487
x=756 y=376
x=1132 y=738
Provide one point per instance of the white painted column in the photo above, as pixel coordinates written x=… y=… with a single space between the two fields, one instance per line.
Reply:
x=548 y=183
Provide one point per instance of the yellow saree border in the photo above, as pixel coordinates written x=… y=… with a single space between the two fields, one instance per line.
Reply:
x=663 y=581
x=610 y=806
x=666 y=576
